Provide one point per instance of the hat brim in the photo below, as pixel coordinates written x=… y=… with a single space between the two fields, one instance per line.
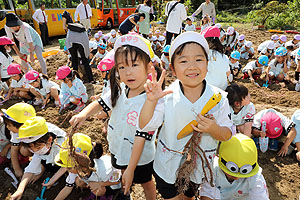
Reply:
x=274 y=136
x=58 y=160
x=14 y=23
x=252 y=173
x=30 y=139
x=7 y=116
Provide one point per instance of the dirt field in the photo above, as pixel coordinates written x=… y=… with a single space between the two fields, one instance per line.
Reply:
x=282 y=174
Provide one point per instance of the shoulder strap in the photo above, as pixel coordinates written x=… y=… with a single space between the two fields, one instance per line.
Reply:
x=172 y=8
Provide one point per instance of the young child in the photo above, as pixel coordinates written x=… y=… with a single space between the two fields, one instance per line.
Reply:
x=4 y=143
x=266 y=48
x=162 y=40
x=241 y=42
x=5 y=60
x=150 y=36
x=276 y=124
x=295 y=42
x=191 y=94
x=231 y=40
x=112 y=39
x=14 y=117
x=105 y=66
x=43 y=140
x=157 y=33
x=93 y=44
x=156 y=46
x=222 y=34
x=18 y=87
x=73 y=90
x=297 y=71
x=205 y=22
x=237 y=176
x=189 y=24
x=234 y=64
x=247 y=51
x=218 y=63
x=275 y=38
x=279 y=66
x=42 y=88
x=132 y=151
x=296 y=120
x=87 y=168
x=165 y=57
x=100 y=54
x=242 y=110
x=281 y=41
x=255 y=68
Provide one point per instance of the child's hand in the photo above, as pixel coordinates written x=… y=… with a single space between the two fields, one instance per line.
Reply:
x=298 y=155
x=283 y=151
x=154 y=89
x=17 y=195
x=206 y=124
x=94 y=187
x=127 y=178
x=96 y=97
x=252 y=80
x=262 y=134
x=48 y=185
x=77 y=120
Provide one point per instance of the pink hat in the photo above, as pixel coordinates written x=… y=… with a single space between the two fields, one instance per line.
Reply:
x=13 y=69
x=62 y=72
x=283 y=38
x=31 y=76
x=5 y=40
x=297 y=37
x=211 y=31
x=274 y=37
x=230 y=30
x=273 y=124
x=105 y=64
x=242 y=37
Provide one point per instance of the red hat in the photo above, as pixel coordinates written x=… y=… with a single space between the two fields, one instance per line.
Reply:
x=105 y=64
x=273 y=124
x=211 y=31
x=31 y=76
x=13 y=69
x=62 y=72
x=5 y=40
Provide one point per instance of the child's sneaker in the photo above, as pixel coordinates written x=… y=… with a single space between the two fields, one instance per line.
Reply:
x=256 y=141
x=38 y=102
x=79 y=108
x=297 y=87
x=273 y=144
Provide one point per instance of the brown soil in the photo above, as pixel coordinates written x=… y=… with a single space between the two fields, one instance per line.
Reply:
x=282 y=174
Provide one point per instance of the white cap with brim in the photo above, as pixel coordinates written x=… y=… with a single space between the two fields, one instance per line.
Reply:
x=186 y=37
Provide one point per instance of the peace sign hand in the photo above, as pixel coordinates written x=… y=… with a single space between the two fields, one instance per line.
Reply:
x=154 y=88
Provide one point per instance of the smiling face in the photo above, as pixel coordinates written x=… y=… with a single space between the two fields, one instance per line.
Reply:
x=133 y=72
x=190 y=66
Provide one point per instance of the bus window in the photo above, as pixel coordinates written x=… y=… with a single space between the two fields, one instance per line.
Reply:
x=99 y=4
x=106 y=4
x=4 y=5
x=48 y=4
x=122 y=3
x=114 y=4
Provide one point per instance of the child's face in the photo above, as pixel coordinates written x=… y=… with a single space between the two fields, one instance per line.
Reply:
x=97 y=39
x=101 y=50
x=150 y=35
x=132 y=73
x=280 y=41
x=241 y=41
x=36 y=147
x=280 y=59
x=113 y=35
x=35 y=83
x=15 y=77
x=233 y=60
x=191 y=66
x=7 y=48
x=246 y=100
x=12 y=128
x=189 y=22
x=230 y=178
x=157 y=35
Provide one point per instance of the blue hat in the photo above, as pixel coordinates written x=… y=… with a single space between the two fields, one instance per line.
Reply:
x=281 y=51
x=235 y=55
x=263 y=60
x=166 y=49
x=102 y=46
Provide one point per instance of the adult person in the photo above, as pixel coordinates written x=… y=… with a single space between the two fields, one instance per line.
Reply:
x=207 y=8
x=42 y=19
x=30 y=41
x=130 y=22
x=85 y=13
x=147 y=8
x=176 y=13
x=77 y=42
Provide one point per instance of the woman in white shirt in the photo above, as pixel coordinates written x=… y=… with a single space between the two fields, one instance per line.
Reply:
x=144 y=26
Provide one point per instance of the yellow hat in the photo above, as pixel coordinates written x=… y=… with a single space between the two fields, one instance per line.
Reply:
x=19 y=112
x=33 y=129
x=136 y=41
x=82 y=144
x=238 y=156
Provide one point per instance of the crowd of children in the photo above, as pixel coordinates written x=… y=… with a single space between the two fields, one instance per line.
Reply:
x=170 y=134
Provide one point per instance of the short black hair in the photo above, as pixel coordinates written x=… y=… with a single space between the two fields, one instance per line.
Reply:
x=42 y=140
x=142 y=15
x=42 y=4
x=12 y=122
x=236 y=93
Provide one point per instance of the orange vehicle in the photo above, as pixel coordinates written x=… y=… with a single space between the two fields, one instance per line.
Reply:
x=113 y=12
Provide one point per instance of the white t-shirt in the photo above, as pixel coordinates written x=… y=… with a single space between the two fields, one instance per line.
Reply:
x=218 y=66
x=234 y=65
x=205 y=26
x=178 y=111
x=240 y=44
x=46 y=87
x=290 y=43
x=105 y=172
x=263 y=47
x=99 y=55
x=230 y=40
x=295 y=54
x=278 y=68
x=122 y=127
x=177 y=15
x=251 y=66
x=297 y=126
x=166 y=61
x=22 y=83
x=286 y=123
x=190 y=27
x=252 y=188
x=112 y=39
x=35 y=165
x=245 y=55
x=246 y=114
x=278 y=44
x=4 y=63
